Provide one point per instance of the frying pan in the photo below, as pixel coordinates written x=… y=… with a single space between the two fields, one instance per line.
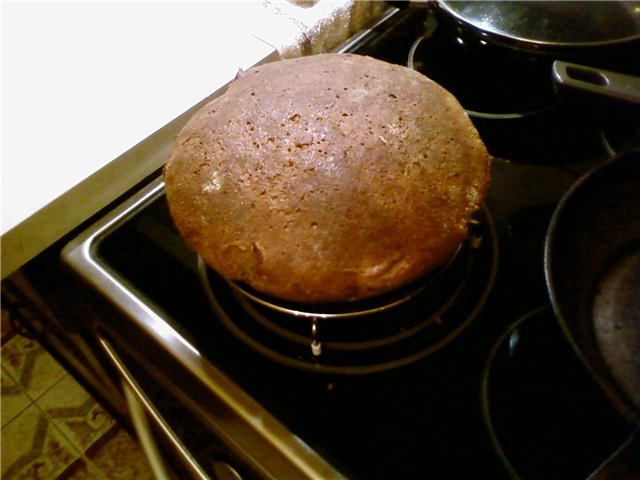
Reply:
x=592 y=268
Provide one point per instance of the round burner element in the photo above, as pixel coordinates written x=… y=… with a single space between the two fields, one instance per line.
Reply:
x=489 y=82
x=545 y=416
x=511 y=99
x=343 y=310
x=375 y=337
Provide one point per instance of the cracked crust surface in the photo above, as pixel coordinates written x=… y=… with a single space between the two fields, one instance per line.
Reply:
x=327 y=178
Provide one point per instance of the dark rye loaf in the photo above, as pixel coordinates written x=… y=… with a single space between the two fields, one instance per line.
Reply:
x=327 y=178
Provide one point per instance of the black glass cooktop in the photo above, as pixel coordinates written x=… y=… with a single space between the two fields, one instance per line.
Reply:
x=425 y=418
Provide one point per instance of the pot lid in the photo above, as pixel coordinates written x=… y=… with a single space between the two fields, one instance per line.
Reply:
x=540 y=24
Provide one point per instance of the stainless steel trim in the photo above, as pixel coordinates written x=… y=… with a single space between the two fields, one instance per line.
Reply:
x=280 y=454
x=145 y=434
x=136 y=398
x=352 y=43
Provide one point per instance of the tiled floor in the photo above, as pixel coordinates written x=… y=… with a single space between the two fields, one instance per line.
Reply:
x=52 y=428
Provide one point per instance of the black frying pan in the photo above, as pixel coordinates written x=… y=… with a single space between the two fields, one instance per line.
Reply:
x=592 y=266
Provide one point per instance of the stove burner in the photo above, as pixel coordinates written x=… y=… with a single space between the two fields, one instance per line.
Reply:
x=360 y=308
x=486 y=83
x=545 y=415
x=384 y=338
x=511 y=100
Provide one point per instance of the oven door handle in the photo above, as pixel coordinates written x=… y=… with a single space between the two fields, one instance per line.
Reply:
x=140 y=407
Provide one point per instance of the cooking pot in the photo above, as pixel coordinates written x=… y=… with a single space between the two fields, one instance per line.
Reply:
x=591 y=34
x=499 y=61
x=592 y=268
x=596 y=34
x=548 y=26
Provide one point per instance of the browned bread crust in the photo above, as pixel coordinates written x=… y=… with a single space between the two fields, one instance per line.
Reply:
x=327 y=178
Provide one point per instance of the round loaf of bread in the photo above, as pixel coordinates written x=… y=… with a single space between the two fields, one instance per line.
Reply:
x=327 y=178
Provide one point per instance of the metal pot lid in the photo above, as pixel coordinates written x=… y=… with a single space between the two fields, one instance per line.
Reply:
x=540 y=24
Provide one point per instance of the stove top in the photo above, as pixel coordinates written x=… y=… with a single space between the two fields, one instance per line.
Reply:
x=473 y=377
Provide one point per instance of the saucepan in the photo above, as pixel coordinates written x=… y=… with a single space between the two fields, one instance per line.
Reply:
x=592 y=268
x=545 y=55
x=586 y=41
x=578 y=28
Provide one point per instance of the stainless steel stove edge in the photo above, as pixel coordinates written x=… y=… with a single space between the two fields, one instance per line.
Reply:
x=272 y=439
x=273 y=451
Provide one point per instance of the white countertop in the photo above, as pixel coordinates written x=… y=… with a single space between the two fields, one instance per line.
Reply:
x=85 y=83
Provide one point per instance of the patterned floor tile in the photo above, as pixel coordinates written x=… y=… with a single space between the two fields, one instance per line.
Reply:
x=33 y=448
x=119 y=457
x=31 y=365
x=13 y=399
x=81 y=470
x=75 y=413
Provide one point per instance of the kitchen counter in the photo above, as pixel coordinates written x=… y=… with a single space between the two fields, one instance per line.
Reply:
x=93 y=94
